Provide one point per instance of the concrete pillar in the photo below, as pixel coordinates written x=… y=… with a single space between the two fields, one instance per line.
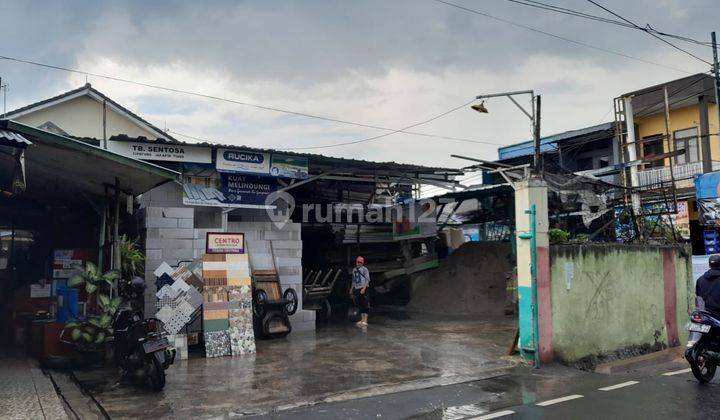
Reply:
x=533 y=284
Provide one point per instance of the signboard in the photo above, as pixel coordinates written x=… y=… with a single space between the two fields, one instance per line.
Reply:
x=417 y=220
x=40 y=290
x=657 y=221
x=161 y=151
x=243 y=161
x=246 y=189
x=289 y=166
x=236 y=190
x=225 y=243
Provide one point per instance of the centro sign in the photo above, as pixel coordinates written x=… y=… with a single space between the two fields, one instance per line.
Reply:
x=246 y=161
x=225 y=243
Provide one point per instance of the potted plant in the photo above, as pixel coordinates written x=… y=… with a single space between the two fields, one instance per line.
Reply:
x=91 y=335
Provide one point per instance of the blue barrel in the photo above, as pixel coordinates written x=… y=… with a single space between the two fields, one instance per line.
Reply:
x=67 y=304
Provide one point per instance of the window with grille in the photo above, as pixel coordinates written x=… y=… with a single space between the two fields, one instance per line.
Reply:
x=687 y=140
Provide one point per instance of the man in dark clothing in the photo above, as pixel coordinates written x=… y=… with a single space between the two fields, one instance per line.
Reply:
x=707 y=287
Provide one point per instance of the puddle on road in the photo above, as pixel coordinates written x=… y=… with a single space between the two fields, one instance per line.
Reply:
x=452 y=413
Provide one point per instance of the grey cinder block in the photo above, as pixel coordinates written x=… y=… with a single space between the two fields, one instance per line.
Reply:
x=159 y=222
x=177 y=233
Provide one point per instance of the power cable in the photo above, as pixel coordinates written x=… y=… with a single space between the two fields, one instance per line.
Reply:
x=237 y=102
x=650 y=33
x=571 y=12
x=651 y=108
x=385 y=134
x=364 y=139
x=540 y=31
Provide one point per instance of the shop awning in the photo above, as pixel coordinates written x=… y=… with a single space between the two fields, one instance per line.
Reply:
x=56 y=165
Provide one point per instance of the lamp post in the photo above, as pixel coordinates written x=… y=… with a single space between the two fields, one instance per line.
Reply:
x=533 y=115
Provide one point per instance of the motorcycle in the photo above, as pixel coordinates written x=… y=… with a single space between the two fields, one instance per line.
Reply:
x=141 y=349
x=703 y=348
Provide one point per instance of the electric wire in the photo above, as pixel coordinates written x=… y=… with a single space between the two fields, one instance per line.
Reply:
x=360 y=140
x=540 y=31
x=650 y=33
x=571 y=12
x=248 y=104
x=367 y=139
x=651 y=108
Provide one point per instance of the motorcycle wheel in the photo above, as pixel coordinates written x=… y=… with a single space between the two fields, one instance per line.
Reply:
x=702 y=369
x=156 y=376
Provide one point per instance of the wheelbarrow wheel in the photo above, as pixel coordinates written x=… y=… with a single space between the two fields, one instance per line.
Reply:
x=325 y=310
x=260 y=299
x=291 y=299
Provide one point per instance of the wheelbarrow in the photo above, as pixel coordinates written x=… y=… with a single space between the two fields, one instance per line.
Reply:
x=317 y=288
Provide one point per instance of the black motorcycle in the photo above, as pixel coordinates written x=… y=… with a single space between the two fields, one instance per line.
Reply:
x=703 y=348
x=141 y=349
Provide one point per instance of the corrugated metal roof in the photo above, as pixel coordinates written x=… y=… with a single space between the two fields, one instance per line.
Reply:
x=314 y=158
x=548 y=143
x=66 y=166
x=10 y=138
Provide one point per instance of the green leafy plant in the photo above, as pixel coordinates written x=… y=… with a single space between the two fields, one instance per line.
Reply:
x=558 y=236
x=132 y=260
x=96 y=329
x=92 y=279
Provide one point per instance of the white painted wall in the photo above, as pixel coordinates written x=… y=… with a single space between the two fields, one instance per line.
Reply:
x=83 y=117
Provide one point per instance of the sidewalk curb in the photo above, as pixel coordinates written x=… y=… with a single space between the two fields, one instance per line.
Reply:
x=622 y=365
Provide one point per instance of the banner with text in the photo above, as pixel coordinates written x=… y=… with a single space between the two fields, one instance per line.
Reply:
x=289 y=166
x=164 y=152
x=242 y=161
x=225 y=243
x=246 y=189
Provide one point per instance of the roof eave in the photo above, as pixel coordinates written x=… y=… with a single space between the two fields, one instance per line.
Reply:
x=90 y=149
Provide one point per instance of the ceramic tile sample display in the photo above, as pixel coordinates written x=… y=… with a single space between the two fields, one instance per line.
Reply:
x=177 y=300
x=242 y=337
x=227 y=307
x=217 y=343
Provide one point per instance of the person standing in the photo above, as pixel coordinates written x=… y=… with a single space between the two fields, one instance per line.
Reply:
x=359 y=290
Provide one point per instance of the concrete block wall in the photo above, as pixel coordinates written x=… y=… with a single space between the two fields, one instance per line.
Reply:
x=166 y=195
x=172 y=236
x=286 y=242
x=166 y=239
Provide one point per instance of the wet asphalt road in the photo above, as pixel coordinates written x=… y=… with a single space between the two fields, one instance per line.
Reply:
x=639 y=395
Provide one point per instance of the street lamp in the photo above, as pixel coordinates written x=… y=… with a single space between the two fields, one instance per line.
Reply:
x=534 y=115
x=480 y=107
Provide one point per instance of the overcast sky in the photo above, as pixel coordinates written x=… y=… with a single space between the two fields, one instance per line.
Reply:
x=389 y=63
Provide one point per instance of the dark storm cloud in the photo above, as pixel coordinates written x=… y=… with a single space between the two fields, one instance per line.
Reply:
x=336 y=51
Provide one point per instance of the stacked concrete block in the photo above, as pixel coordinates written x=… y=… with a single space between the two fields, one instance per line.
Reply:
x=166 y=241
x=166 y=195
x=286 y=242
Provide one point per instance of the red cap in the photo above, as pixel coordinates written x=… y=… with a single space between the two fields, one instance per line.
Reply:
x=360 y=260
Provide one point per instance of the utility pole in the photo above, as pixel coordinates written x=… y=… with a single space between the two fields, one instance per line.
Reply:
x=536 y=135
x=716 y=70
x=4 y=89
